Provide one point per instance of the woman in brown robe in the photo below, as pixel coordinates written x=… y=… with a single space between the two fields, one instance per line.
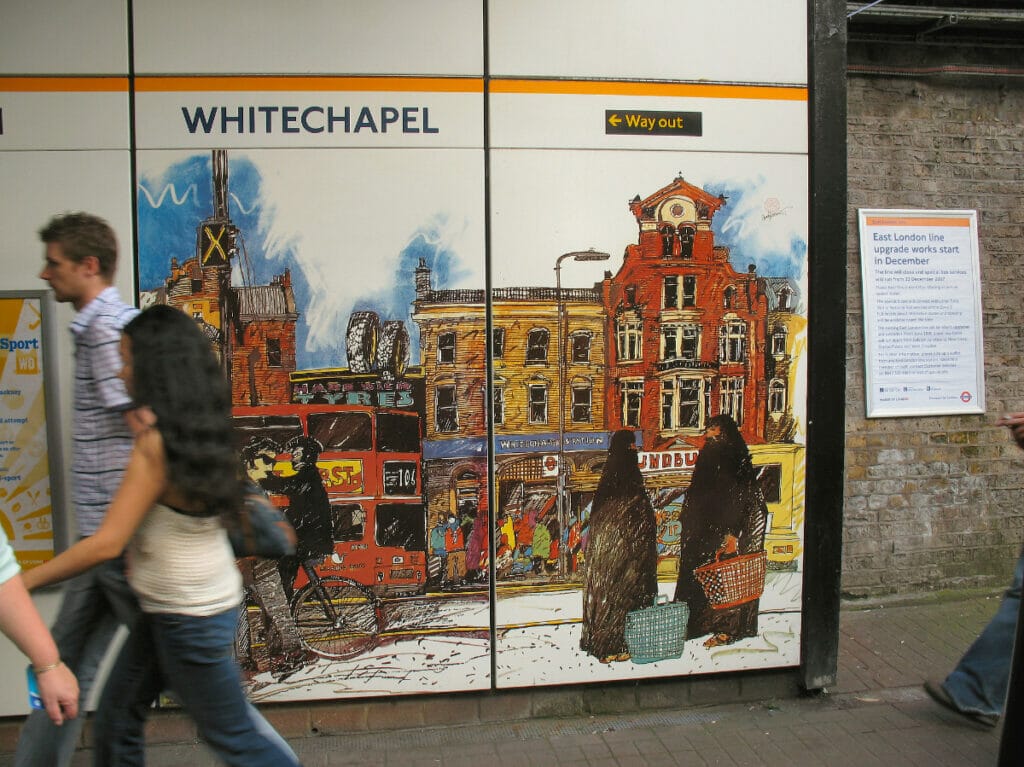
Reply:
x=724 y=509
x=621 y=553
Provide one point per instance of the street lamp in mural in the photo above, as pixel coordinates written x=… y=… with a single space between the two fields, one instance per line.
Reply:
x=563 y=474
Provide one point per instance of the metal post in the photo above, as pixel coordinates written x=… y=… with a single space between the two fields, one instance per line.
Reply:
x=560 y=510
x=561 y=483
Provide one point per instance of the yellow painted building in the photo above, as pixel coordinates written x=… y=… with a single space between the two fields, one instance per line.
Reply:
x=782 y=469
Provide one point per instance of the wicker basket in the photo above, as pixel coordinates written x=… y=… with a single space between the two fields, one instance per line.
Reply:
x=657 y=632
x=735 y=581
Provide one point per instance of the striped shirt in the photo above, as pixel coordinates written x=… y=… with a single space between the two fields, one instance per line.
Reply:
x=100 y=441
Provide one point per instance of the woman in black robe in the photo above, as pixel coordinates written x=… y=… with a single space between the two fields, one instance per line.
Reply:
x=621 y=553
x=724 y=509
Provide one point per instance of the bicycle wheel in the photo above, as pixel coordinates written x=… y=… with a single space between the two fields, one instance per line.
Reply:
x=336 y=618
x=249 y=640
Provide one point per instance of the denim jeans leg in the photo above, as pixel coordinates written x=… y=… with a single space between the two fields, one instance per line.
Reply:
x=82 y=630
x=134 y=683
x=267 y=730
x=196 y=658
x=979 y=682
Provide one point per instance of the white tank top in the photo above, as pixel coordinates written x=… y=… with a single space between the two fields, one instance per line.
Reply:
x=183 y=564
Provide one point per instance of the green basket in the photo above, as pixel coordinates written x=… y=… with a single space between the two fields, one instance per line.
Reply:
x=657 y=632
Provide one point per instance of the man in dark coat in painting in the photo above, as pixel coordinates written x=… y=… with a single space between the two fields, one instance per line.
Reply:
x=724 y=510
x=309 y=509
x=621 y=553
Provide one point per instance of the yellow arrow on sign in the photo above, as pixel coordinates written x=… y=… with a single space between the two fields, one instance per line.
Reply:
x=614 y=120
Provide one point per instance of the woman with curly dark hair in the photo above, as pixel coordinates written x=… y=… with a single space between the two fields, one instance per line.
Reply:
x=181 y=486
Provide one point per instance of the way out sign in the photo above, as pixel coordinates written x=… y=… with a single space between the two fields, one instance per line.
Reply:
x=651 y=123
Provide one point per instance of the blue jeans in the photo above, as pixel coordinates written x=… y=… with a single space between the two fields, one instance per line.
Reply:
x=94 y=603
x=192 y=657
x=979 y=682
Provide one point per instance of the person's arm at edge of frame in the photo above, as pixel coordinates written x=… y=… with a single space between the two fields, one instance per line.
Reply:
x=144 y=481
x=21 y=622
x=1015 y=423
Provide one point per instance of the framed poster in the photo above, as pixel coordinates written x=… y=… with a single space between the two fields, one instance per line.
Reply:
x=923 y=352
x=31 y=475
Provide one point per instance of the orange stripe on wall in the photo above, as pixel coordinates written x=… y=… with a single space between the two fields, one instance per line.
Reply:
x=904 y=221
x=414 y=84
x=418 y=84
x=630 y=88
x=63 y=84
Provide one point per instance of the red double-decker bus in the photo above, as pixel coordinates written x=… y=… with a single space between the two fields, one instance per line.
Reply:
x=371 y=466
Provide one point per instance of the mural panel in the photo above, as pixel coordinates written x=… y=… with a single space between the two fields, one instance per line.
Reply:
x=638 y=279
x=673 y=311
x=649 y=258
x=303 y=268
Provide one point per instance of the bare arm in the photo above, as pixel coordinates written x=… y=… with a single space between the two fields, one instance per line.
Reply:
x=143 y=483
x=20 y=621
x=1015 y=423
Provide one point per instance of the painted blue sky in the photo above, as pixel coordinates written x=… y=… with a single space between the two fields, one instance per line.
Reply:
x=333 y=270
x=351 y=226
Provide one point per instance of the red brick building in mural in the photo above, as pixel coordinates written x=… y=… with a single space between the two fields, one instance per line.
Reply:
x=253 y=326
x=687 y=332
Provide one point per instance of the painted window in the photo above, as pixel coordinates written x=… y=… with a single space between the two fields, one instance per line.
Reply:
x=670 y=338
x=632 y=398
x=497 y=343
x=686 y=235
x=668 y=237
x=537 y=345
x=732 y=341
x=731 y=398
x=581 y=402
x=629 y=339
x=538 y=403
x=691 y=342
x=683 y=403
x=274 y=352
x=777 y=396
x=671 y=292
x=446 y=348
x=580 y=341
x=680 y=342
x=779 y=335
x=446 y=410
x=689 y=290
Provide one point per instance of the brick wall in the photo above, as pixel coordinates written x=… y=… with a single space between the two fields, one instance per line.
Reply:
x=938 y=502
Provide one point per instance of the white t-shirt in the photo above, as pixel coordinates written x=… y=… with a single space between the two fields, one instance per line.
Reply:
x=183 y=564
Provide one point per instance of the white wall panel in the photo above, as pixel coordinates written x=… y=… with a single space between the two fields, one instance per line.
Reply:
x=63 y=116
x=61 y=37
x=310 y=37
x=737 y=41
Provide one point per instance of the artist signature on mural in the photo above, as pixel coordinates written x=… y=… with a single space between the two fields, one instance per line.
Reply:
x=773 y=209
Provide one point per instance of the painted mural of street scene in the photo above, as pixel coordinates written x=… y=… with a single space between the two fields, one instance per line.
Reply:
x=644 y=432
